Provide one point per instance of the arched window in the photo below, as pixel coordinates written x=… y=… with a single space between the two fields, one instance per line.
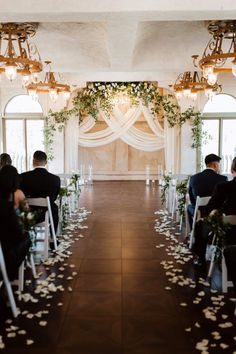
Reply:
x=219 y=121
x=23 y=130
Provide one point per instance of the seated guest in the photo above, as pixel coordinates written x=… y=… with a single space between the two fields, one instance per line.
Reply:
x=39 y=183
x=10 y=181
x=223 y=198
x=5 y=159
x=15 y=243
x=202 y=184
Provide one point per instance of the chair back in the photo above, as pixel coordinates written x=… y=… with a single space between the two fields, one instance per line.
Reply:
x=200 y=201
x=229 y=219
x=45 y=202
x=39 y=202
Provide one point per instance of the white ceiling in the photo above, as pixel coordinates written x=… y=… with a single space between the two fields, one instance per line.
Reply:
x=119 y=40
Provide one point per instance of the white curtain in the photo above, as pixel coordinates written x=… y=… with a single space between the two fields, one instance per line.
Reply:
x=121 y=126
x=71 y=145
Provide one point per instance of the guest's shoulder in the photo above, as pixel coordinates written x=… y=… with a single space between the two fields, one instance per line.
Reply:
x=223 y=178
x=25 y=174
x=52 y=175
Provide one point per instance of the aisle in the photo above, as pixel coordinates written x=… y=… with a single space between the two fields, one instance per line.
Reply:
x=120 y=304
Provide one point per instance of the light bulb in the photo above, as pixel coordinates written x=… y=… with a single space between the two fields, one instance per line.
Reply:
x=234 y=67
x=25 y=80
x=211 y=79
x=34 y=78
x=178 y=94
x=33 y=94
x=193 y=96
x=66 y=95
x=187 y=92
x=53 y=94
x=208 y=92
x=207 y=70
x=11 y=72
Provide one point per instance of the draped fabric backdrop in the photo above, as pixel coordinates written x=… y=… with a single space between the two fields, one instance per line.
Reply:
x=121 y=126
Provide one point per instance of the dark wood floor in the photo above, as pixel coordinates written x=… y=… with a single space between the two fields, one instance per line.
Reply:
x=119 y=303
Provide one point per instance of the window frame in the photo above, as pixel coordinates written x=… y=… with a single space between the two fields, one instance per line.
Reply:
x=23 y=117
x=220 y=117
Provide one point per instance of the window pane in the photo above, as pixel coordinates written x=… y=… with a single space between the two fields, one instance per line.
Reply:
x=220 y=103
x=23 y=104
x=211 y=126
x=228 y=143
x=15 y=143
x=34 y=129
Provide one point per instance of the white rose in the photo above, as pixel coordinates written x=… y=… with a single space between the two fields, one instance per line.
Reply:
x=30 y=216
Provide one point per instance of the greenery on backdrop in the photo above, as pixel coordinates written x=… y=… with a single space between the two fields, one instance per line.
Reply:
x=218 y=228
x=103 y=95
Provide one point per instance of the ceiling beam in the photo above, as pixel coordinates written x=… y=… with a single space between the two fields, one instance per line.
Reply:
x=102 y=10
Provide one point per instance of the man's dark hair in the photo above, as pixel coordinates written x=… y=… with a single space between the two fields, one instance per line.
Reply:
x=40 y=156
x=5 y=159
x=233 y=165
x=212 y=158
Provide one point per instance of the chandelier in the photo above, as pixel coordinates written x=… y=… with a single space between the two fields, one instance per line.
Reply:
x=189 y=84
x=220 y=49
x=49 y=85
x=17 y=55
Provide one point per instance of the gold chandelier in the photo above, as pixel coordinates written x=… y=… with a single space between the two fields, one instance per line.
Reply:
x=188 y=84
x=17 y=55
x=220 y=49
x=49 y=85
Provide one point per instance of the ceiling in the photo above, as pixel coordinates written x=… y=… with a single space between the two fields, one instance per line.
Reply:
x=123 y=40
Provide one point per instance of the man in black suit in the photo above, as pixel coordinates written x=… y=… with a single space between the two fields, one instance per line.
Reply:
x=39 y=183
x=223 y=198
x=202 y=184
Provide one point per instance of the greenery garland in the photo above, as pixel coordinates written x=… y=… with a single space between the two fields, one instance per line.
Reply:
x=181 y=190
x=164 y=189
x=103 y=95
x=218 y=228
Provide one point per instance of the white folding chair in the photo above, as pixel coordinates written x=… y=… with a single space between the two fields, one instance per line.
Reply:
x=200 y=201
x=21 y=272
x=7 y=284
x=231 y=220
x=43 y=228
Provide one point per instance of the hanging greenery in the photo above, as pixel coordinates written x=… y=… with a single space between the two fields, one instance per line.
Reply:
x=164 y=189
x=218 y=228
x=181 y=190
x=103 y=96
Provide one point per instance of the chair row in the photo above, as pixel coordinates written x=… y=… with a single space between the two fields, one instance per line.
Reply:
x=42 y=236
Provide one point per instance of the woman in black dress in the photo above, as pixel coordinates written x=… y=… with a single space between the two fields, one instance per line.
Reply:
x=14 y=241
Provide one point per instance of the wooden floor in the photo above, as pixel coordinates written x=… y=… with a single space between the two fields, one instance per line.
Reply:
x=119 y=303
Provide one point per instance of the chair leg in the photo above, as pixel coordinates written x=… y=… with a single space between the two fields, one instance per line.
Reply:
x=11 y=298
x=33 y=266
x=21 y=277
x=211 y=268
x=224 y=276
x=191 y=239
